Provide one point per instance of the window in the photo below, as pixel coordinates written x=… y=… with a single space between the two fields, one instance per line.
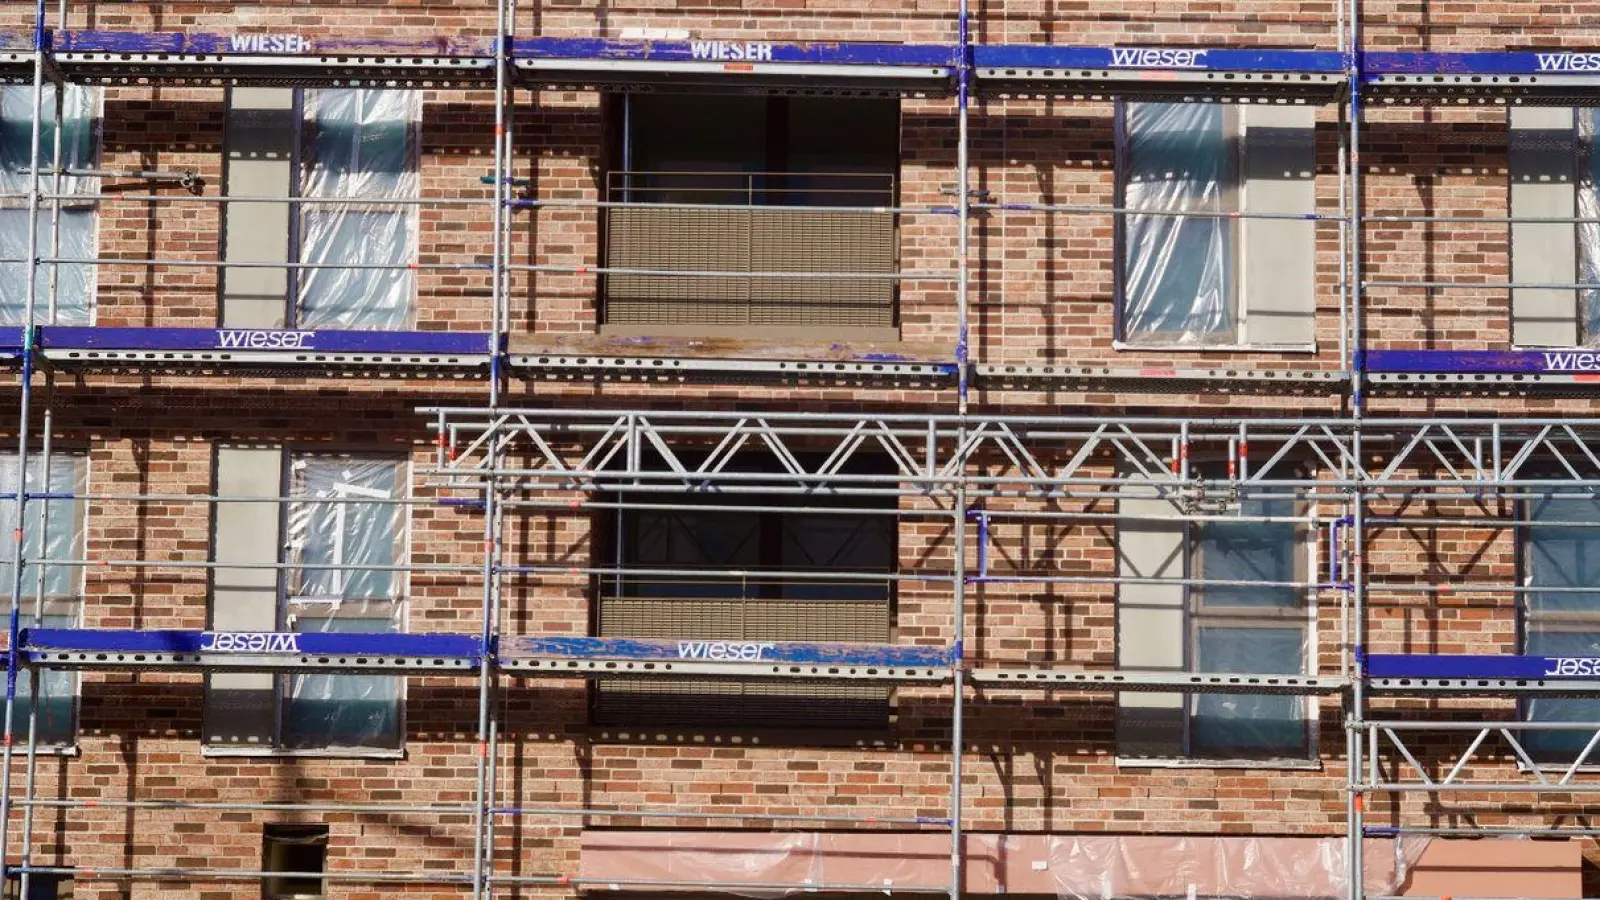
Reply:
x=760 y=171
x=74 y=283
x=344 y=540
x=1213 y=626
x=358 y=144
x=51 y=594
x=298 y=849
x=1207 y=279
x=1560 y=552
x=807 y=605
x=40 y=887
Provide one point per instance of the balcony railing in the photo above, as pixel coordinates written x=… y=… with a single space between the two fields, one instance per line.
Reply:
x=789 y=254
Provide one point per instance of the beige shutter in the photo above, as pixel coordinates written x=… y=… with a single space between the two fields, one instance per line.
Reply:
x=1280 y=255
x=1543 y=159
x=1150 y=624
x=260 y=135
x=241 y=708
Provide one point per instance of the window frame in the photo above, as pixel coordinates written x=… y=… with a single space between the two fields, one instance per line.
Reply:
x=303 y=162
x=283 y=681
x=621 y=524
x=1564 y=621
x=86 y=192
x=30 y=608
x=1196 y=614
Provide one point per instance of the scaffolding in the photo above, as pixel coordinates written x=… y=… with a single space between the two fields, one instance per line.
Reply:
x=955 y=464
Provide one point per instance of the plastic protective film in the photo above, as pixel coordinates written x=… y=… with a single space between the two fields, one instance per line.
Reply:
x=74 y=281
x=360 y=143
x=346 y=538
x=1589 y=228
x=1072 y=867
x=51 y=594
x=1178 y=278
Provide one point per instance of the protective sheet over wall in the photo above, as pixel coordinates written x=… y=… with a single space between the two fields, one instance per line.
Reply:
x=74 y=281
x=1178 y=278
x=360 y=143
x=341 y=526
x=1070 y=866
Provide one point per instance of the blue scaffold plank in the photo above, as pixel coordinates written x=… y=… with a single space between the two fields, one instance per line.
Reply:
x=16 y=57
x=275 y=58
x=738 y=66
x=514 y=649
x=1523 y=668
x=1556 y=77
x=11 y=348
x=1167 y=59
x=1161 y=72
x=210 y=349
x=1567 y=361
x=914 y=56
x=84 y=647
x=245 y=340
x=265 y=44
x=1559 y=62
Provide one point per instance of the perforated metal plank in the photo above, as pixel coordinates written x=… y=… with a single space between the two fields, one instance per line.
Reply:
x=113 y=57
x=647 y=366
x=738 y=66
x=788 y=660
x=1565 y=77
x=1060 y=679
x=1164 y=379
x=1306 y=75
x=80 y=648
x=183 y=348
x=16 y=58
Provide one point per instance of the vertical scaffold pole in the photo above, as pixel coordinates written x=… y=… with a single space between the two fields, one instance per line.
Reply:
x=963 y=367
x=481 y=851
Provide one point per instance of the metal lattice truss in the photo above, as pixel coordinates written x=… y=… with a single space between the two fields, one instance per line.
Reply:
x=1495 y=756
x=773 y=452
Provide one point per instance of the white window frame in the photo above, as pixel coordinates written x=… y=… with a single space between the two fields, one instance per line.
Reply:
x=285 y=612
x=1305 y=615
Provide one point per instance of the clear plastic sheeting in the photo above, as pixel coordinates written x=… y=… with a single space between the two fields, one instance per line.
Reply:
x=343 y=521
x=1073 y=867
x=71 y=303
x=1562 y=552
x=51 y=594
x=360 y=143
x=1178 y=271
x=1589 y=229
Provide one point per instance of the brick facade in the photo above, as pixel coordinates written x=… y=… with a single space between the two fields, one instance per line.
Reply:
x=1042 y=294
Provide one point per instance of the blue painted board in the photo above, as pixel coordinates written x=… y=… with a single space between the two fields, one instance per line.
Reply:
x=1557 y=62
x=845 y=54
x=752 y=652
x=239 y=643
x=1460 y=666
x=59 y=337
x=282 y=43
x=1573 y=361
x=1209 y=59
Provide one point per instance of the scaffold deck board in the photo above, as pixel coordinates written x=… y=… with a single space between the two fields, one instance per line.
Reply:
x=186 y=347
x=1310 y=75
x=585 y=657
x=81 y=648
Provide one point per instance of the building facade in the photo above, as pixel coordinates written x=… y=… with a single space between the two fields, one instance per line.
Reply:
x=763 y=448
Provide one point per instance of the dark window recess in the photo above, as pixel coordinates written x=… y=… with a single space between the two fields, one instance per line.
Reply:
x=806 y=604
x=40 y=887
x=742 y=156
x=298 y=849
